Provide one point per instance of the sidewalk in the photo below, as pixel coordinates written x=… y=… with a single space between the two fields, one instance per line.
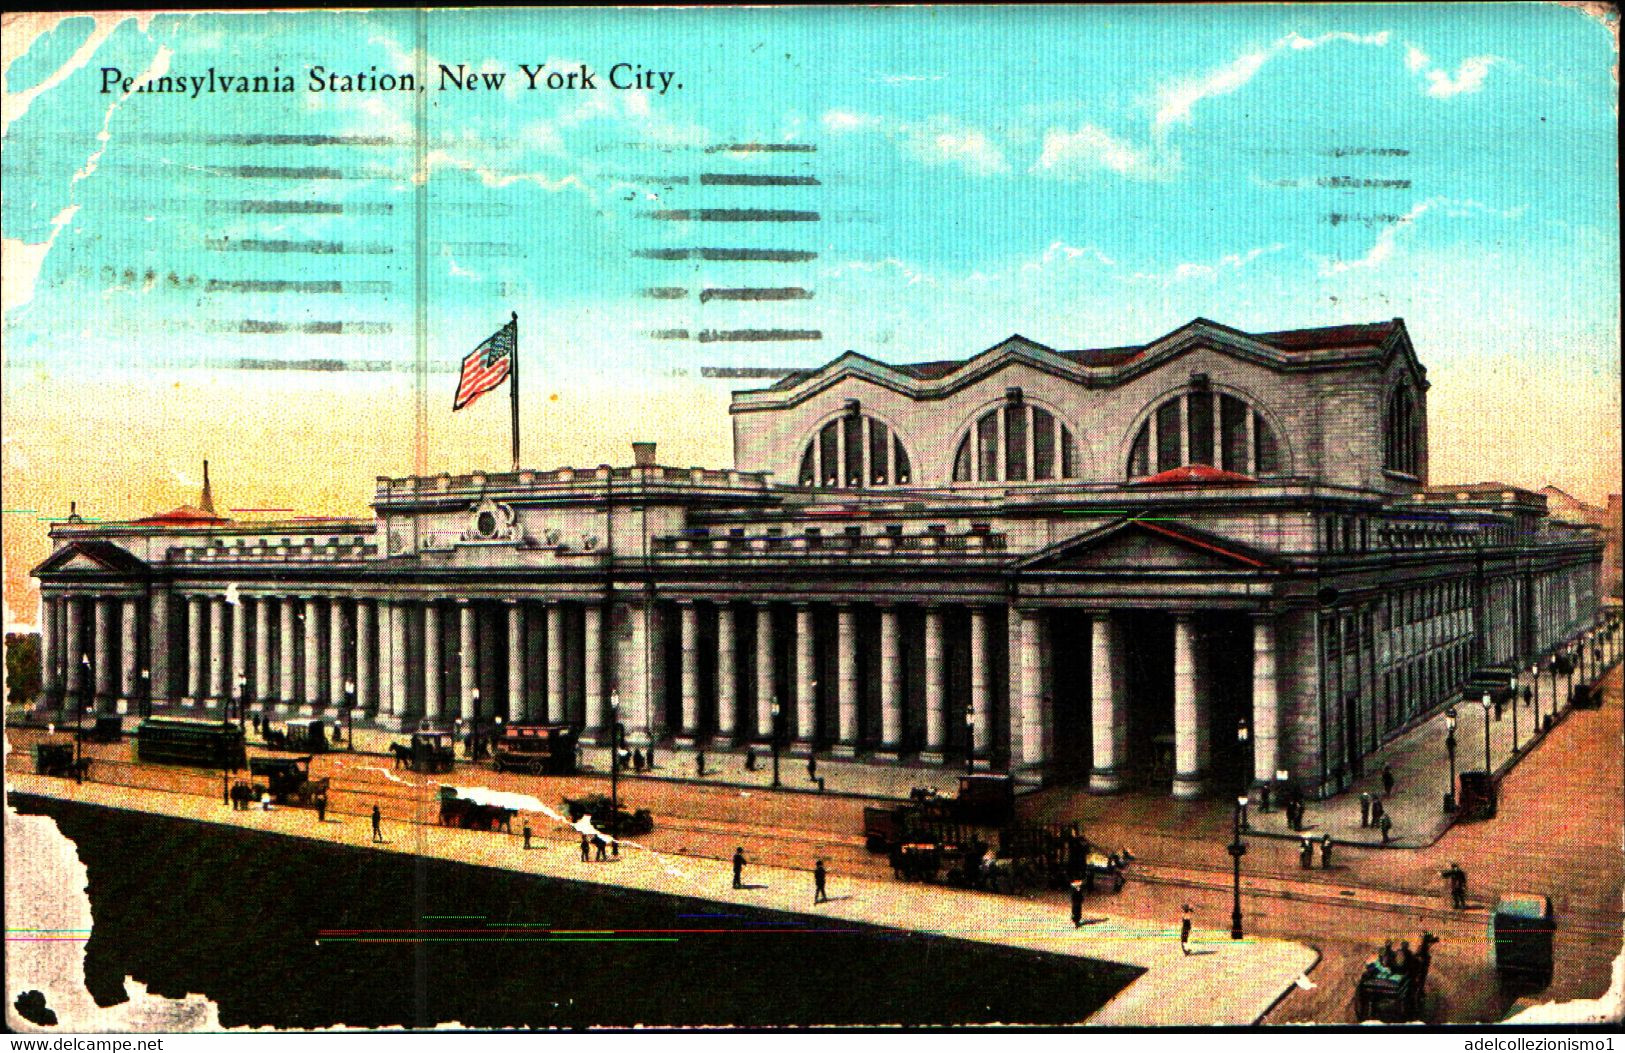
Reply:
x=1421 y=766
x=1239 y=981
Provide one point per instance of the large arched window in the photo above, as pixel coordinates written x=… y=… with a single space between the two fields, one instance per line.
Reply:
x=1401 y=436
x=1016 y=442
x=855 y=451
x=1205 y=427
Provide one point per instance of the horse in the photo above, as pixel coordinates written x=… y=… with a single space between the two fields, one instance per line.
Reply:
x=402 y=754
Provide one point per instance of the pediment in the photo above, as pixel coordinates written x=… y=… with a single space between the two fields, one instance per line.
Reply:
x=1137 y=546
x=92 y=557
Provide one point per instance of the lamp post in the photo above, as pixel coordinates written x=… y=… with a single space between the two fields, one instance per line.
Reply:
x=146 y=694
x=1514 y=690
x=1237 y=849
x=614 y=752
x=242 y=700
x=474 y=726
x=349 y=715
x=1244 y=736
x=1450 y=748
x=1485 y=702
x=777 y=742
x=970 y=741
x=1553 y=668
x=79 y=717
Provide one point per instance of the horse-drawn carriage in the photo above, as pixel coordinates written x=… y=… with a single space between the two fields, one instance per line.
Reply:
x=428 y=753
x=537 y=749
x=300 y=736
x=459 y=810
x=1393 y=988
x=612 y=818
x=57 y=759
x=286 y=779
x=109 y=727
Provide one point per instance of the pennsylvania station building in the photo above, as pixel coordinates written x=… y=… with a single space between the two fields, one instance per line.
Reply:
x=1182 y=566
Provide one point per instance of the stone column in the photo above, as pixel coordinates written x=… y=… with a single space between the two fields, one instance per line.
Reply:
x=74 y=670
x=518 y=694
x=262 y=650
x=386 y=661
x=50 y=654
x=217 y=650
x=555 y=663
x=158 y=668
x=846 y=680
x=335 y=654
x=286 y=641
x=806 y=703
x=313 y=658
x=364 y=656
x=592 y=668
x=129 y=653
x=727 y=675
x=467 y=660
x=690 y=620
x=1189 y=764
x=194 y=651
x=935 y=718
x=434 y=671
x=1107 y=705
x=398 y=619
x=981 y=695
x=891 y=686
x=764 y=671
x=239 y=651
x=1027 y=680
x=1266 y=702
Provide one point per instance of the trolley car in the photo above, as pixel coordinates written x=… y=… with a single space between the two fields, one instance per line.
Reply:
x=200 y=743
x=538 y=749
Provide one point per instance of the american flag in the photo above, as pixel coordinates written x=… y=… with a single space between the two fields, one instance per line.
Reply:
x=486 y=366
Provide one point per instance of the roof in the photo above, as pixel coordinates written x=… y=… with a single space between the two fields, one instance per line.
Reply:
x=185 y=515
x=1193 y=475
x=1331 y=337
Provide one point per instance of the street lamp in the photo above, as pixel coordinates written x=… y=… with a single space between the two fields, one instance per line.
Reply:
x=1243 y=737
x=146 y=693
x=1485 y=702
x=1514 y=690
x=970 y=740
x=242 y=700
x=79 y=717
x=614 y=752
x=349 y=714
x=1237 y=850
x=474 y=725
x=778 y=740
x=1450 y=748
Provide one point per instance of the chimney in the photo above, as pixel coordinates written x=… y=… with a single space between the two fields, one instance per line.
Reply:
x=206 y=502
x=643 y=454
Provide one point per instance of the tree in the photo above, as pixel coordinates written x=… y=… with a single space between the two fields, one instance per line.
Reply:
x=22 y=668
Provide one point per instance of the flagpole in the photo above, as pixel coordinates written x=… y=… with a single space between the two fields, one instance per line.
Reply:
x=513 y=388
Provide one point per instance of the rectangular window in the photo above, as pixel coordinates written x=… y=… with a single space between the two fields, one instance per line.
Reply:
x=827 y=449
x=987 y=448
x=1233 y=426
x=854 y=451
x=1043 y=444
x=1200 y=419
x=1168 y=436
x=1265 y=455
x=1015 y=442
x=879 y=439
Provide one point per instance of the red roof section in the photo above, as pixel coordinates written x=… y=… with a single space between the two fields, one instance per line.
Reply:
x=185 y=515
x=1332 y=337
x=1198 y=474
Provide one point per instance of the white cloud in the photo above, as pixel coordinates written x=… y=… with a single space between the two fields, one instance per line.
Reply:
x=1468 y=78
x=847 y=121
x=1416 y=60
x=1070 y=155
x=1383 y=248
x=1178 y=100
x=1061 y=252
x=1181 y=272
x=943 y=140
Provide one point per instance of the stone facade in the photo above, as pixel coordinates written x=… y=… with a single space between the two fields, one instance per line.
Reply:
x=1197 y=564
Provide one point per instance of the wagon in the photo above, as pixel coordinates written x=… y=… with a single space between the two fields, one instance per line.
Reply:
x=1101 y=867
x=917 y=861
x=1521 y=932
x=56 y=758
x=1394 y=993
x=471 y=815
x=430 y=752
x=612 y=819
x=537 y=749
x=286 y=778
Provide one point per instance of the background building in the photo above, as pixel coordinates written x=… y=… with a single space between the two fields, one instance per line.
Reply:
x=1194 y=563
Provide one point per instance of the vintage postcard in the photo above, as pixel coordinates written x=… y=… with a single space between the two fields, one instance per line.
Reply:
x=819 y=517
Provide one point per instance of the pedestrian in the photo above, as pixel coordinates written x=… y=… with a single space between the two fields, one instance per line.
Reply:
x=1458 y=885
x=586 y=848
x=256 y=723
x=615 y=848
x=637 y=761
x=1387 y=780
x=820 y=877
x=739 y=867
x=321 y=809
x=1386 y=825
x=1386 y=956
x=750 y=758
x=1404 y=958
x=1365 y=809
x=377 y=824
x=1377 y=811
x=1306 y=854
x=599 y=844
x=1185 y=931
x=649 y=757
x=1325 y=851
x=526 y=834
x=699 y=763
x=812 y=768
x=1077 y=904
x=1294 y=815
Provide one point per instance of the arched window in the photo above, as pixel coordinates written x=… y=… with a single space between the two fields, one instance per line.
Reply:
x=1401 y=436
x=1205 y=427
x=855 y=451
x=1016 y=442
